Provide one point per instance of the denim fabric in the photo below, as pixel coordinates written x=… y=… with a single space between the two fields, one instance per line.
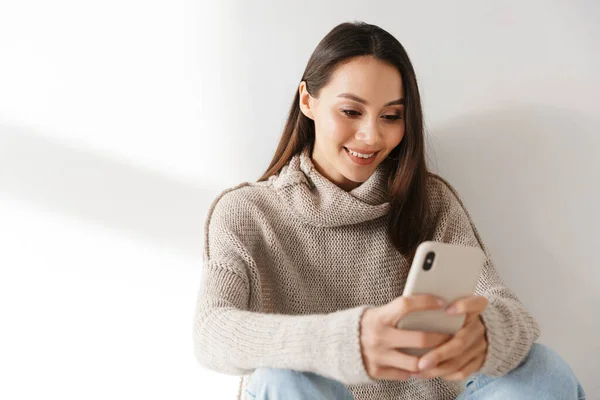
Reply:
x=543 y=375
x=285 y=384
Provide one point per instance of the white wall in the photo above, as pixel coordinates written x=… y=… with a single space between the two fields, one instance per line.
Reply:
x=120 y=121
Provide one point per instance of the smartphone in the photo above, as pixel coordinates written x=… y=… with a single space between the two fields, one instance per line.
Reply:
x=445 y=270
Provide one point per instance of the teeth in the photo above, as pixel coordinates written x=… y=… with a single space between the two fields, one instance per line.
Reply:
x=359 y=154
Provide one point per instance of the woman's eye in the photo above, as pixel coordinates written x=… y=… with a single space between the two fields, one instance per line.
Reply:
x=351 y=113
x=393 y=117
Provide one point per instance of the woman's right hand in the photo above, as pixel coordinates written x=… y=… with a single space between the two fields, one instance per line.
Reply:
x=380 y=339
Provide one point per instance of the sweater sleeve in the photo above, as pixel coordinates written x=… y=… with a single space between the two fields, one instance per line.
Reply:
x=510 y=328
x=229 y=338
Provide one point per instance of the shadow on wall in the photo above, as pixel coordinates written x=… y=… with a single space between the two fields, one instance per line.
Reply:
x=530 y=177
x=105 y=190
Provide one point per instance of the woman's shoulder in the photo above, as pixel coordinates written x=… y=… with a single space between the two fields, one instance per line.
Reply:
x=453 y=221
x=242 y=202
x=444 y=198
x=236 y=214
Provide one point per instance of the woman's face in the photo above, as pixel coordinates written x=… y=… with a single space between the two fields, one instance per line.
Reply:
x=360 y=109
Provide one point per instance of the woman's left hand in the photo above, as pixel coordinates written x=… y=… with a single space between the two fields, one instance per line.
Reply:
x=464 y=354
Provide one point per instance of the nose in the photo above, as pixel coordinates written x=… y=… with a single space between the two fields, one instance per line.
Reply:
x=368 y=132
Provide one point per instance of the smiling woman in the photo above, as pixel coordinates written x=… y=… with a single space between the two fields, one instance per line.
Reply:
x=303 y=269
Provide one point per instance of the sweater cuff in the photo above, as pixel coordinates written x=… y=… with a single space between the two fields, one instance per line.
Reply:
x=504 y=348
x=492 y=322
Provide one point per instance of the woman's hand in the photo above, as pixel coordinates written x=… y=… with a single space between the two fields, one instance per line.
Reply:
x=380 y=339
x=465 y=353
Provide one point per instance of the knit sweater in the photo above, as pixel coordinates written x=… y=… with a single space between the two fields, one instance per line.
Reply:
x=291 y=263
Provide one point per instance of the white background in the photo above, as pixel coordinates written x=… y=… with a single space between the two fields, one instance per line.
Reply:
x=120 y=121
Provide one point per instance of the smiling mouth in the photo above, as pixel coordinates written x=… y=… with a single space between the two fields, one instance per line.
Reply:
x=357 y=160
x=373 y=154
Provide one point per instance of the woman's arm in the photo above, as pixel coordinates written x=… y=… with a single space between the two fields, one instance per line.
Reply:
x=510 y=328
x=230 y=339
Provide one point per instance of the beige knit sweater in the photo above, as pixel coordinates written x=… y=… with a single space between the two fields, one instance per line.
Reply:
x=291 y=263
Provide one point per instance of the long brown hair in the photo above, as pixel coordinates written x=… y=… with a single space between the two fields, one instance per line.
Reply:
x=410 y=220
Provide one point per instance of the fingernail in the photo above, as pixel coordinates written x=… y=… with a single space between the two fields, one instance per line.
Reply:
x=451 y=310
x=441 y=302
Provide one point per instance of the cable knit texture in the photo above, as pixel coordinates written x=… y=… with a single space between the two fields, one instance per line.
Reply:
x=291 y=263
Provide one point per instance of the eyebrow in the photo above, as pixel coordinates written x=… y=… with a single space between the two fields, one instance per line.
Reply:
x=363 y=101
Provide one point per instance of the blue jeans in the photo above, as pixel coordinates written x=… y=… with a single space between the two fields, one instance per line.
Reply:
x=543 y=375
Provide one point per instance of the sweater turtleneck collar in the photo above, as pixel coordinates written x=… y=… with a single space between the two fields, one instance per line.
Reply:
x=320 y=202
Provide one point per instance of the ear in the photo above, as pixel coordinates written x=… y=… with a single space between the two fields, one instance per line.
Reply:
x=306 y=101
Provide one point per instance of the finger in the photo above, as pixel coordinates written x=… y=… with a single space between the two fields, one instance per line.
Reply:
x=463 y=339
x=469 y=369
x=470 y=317
x=395 y=310
x=396 y=359
x=401 y=338
x=467 y=304
x=457 y=363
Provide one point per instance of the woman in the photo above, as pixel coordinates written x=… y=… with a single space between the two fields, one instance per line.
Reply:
x=303 y=270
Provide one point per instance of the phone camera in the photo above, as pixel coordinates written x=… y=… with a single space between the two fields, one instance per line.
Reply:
x=428 y=261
